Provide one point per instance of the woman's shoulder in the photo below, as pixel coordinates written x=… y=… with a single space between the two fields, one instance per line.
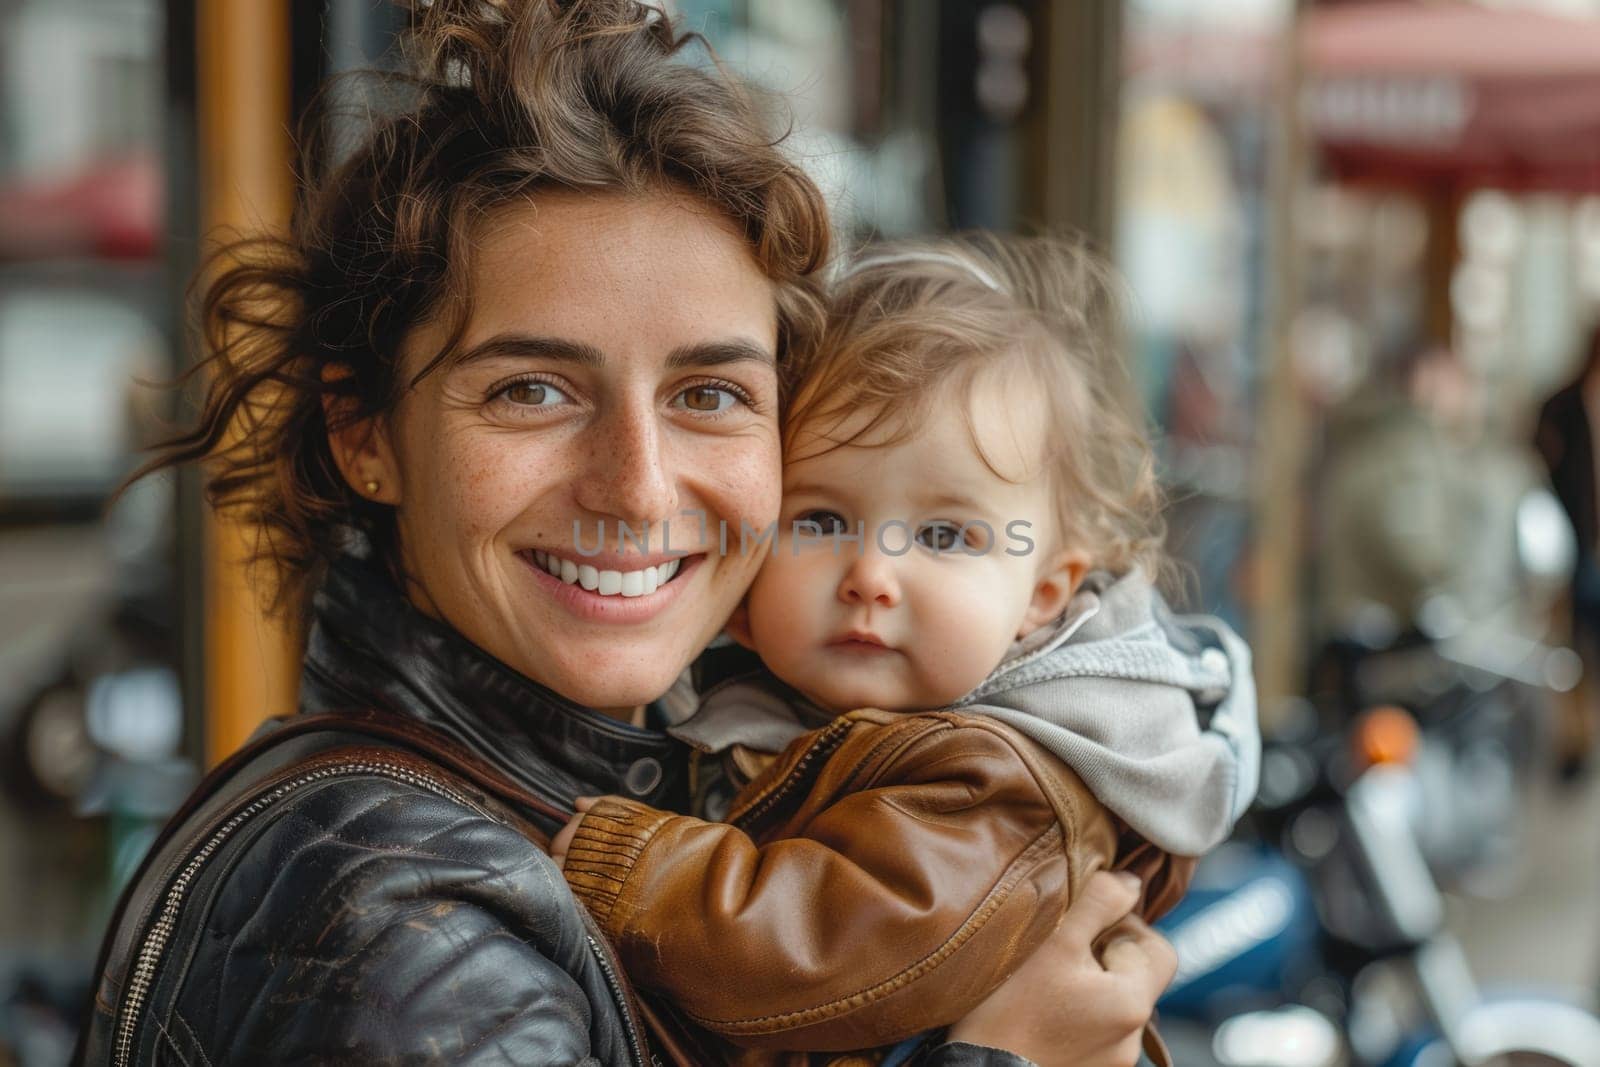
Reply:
x=367 y=903
x=342 y=818
x=411 y=919
x=368 y=826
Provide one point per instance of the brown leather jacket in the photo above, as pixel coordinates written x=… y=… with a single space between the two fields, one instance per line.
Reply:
x=879 y=878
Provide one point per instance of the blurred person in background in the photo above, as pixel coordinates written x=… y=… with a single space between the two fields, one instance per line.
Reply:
x=1565 y=439
x=557 y=291
x=1421 y=507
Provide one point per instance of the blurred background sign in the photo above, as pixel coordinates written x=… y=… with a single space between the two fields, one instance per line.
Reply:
x=1422 y=93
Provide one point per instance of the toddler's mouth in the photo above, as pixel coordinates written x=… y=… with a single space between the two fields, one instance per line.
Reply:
x=860 y=641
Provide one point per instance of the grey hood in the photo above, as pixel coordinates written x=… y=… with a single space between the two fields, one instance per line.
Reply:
x=1155 y=712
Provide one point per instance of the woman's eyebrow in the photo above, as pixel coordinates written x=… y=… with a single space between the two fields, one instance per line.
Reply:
x=526 y=346
x=714 y=353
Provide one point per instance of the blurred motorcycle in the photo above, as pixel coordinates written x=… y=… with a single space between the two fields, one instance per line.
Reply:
x=1318 y=940
x=1480 y=681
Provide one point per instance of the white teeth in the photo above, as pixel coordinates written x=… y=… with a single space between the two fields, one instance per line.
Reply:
x=608 y=583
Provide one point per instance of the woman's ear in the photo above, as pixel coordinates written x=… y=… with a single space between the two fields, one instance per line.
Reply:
x=738 y=626
x=362 y=450
x=1053 y=589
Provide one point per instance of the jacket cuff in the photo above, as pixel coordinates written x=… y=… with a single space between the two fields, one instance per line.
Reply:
x=609 y=841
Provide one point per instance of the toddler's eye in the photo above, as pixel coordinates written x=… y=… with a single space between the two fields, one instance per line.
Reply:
x=939 y=535
x=825 y=522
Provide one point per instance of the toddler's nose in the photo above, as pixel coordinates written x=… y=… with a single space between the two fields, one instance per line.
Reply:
x=870 y=580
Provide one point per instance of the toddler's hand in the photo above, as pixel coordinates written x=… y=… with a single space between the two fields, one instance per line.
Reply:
x=563 y=840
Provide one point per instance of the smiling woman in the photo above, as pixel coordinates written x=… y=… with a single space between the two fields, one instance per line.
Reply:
x=619 y=369
x=555 y=292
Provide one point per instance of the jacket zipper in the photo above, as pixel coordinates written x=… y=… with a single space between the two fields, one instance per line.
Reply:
x=148 y=958
x=831 y=738
x=623 y=999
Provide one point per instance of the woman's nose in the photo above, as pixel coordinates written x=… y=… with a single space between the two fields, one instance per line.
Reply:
x=628 y=476
x=870 y=580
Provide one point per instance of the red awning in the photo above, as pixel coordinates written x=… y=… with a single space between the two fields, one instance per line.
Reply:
x=1399 y=90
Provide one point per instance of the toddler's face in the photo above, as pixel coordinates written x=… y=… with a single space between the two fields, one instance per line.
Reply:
x=912 y=616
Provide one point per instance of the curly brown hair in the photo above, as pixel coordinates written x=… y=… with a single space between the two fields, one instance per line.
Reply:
x=500 y=99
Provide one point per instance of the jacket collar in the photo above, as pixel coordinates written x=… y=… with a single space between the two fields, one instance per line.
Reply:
x=368 y=647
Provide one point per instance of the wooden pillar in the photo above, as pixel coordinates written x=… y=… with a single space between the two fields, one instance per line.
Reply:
x=1442 y=253
x=1277 y=629
x=1070 y=180
x=246 y=184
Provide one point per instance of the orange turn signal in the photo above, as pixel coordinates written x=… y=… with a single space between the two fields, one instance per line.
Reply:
x=1386 y=734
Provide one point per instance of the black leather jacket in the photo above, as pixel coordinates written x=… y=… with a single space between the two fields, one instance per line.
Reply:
x=331 y=900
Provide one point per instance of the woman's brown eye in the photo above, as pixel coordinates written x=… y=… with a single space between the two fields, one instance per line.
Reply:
x=707 y=398
x=533 y=394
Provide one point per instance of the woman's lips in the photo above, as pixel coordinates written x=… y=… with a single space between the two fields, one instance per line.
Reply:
x=610 y=576
x=610 y=595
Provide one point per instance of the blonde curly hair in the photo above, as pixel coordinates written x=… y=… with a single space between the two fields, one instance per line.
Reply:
x=909 y=321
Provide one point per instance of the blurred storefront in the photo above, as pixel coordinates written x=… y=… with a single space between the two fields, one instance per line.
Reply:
x=919 y=117
x=1449 y=264
x=1432 y=187
x=87 y=641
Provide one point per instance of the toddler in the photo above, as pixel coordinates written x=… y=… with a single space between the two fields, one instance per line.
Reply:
x=970 y=696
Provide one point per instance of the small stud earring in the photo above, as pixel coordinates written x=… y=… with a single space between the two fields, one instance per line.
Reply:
x=372 y=486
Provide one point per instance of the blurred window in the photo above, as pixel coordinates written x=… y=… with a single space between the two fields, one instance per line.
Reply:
x=67 y=362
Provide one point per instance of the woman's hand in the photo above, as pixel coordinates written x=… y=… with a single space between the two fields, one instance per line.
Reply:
x=1064 y=1007
x=563 y=840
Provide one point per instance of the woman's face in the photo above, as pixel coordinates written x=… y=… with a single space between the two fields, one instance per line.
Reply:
x=618 y=378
